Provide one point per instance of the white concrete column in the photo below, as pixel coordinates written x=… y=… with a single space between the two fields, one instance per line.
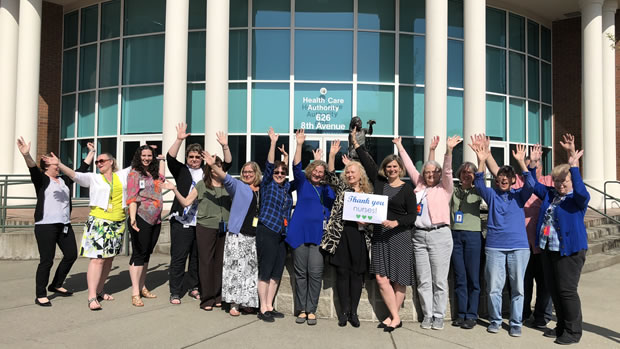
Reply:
x=436 y=71
x=27 y=96
x=474 y=118
x=175 y=71
x=216 y=109
x=592 y=91
x=9 y=26
x=609 y=88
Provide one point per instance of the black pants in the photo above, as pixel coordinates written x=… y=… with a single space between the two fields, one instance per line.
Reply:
x=210 y=244
x=270 y=252
x=543 y=306
x=562 y=275
x=48 y=235
x=143 y=242
x=182 y=245
x=349 y=289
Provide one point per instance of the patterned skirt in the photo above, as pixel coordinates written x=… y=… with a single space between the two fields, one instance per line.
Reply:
x=102 y=238
x=392 y=255
x=240 y=270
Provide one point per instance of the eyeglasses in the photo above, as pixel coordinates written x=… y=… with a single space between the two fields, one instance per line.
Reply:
x=194 y=157
x=280 y=173
x=101 y=161
x=248 y=172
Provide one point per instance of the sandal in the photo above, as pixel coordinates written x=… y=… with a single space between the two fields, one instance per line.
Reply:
x=311 y=319
x=301 y=318
x=234 y=311
x=136 y=301
x=175 y=299
x=207 y=308
x=94 y=300
x=146 y=293
x=194 y=293
x=102 y=296
x=218 y=305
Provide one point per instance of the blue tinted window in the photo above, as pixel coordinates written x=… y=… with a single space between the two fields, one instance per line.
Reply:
x=238 y=55
x=142 y=109
x=533 y=123
x=143 y=60
x=109 y=53
x=144 y=16
x=516 y=32
x=69 y=70
x=411 y=111
x=375 y=14
x=66 y=153
x=455 y=18
x=533 y=90
x=532 y=38
x=196 y=55
x=496 y=27
x=324 y=13
x=412 y=16
x=545 y=43
x=455 y=63
x=335 y=64
x=517 y=120
x=70 y=32
x=108 y=112
x=86 y=114
x=271 y=54
x=377 y=103
x=496 y=117
x=88 y=30
x=412 y=58
x=516 y=74
x=238 y=13
x=546 y=125
x=270 y=107
x=195 y=108
x=455 y=113
x=496 y=70
x=272 y=13
x=197 y=14
x=110 y=19
x=88 y=67
x=545 y=82
x=237 y=107
x=375 y=57
x=323 y=108
x=67 y=117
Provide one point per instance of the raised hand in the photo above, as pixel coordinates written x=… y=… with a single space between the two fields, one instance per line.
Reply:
x=335 y=147
x=573 y=159
x=398 y=141
x=300 y=136
x=51 y=159
x=318 y=154
x=569 y=143
x=222 y=138
x=181 y=128
x=353 y=138
x=23 y=146
x=519 y=153
x=452 y=142
x=208 y=158
x=273 y=136
x=345 y=159
x=535 y=153
x=434 y=143
x=90 y=146
x=481 y=152
x=283 y=151
x=161 y=157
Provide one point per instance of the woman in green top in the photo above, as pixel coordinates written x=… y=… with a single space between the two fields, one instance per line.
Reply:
x=467 y=238
x=211 y=226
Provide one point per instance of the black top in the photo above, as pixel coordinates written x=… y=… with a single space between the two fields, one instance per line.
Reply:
x=246 y=227
x=402 y=207
x=41 y=181
x=183 y=178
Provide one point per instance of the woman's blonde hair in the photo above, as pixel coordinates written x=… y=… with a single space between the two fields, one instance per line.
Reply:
x=114 y=163
x=387 y=160
x=258 y=174
x=560 y=171
x=365 y=185
x=314 y=164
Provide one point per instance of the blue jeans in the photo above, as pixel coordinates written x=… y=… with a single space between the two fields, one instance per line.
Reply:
x=495 y=274
x=466 y=266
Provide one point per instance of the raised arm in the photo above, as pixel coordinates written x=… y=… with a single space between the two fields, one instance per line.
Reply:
x=89 y=157
x=483 y=140
x=519 y=155
x=300 y=138
x=183 y=200
x=210 y=160
x=273 y=137
x=53 y=160
x=446 y=177
x=331 y=159
x=222 y=139
x=568 y=144
x=580 y=193
x=409 y=166
x=432 y=148
x=24 y=149
x=181 y=136
x=372 y=170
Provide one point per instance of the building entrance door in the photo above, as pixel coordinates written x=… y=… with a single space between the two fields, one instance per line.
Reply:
x=129 y=145
x=324 y=142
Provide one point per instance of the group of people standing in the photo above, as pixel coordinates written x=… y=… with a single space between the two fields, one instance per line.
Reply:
x=235 y=232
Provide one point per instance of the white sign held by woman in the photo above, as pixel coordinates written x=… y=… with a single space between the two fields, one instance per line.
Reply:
x=366 y=208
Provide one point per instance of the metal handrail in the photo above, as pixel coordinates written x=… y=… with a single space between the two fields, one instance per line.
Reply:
x=606 y=197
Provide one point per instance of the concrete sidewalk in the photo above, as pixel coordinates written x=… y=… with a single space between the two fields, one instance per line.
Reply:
x=69 y=323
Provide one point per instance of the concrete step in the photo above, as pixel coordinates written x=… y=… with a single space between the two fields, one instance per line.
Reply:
x=601 y=260
x=600 y=231
x=603 y=244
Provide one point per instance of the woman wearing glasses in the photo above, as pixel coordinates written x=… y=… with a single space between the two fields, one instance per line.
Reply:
x=105 y=226
x=52 y=226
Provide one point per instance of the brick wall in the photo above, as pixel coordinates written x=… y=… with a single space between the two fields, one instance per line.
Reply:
x=50 y=79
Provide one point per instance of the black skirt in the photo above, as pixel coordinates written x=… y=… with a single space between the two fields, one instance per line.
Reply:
x=351 y=252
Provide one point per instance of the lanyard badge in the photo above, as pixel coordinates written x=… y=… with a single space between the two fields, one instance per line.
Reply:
x=458 y=217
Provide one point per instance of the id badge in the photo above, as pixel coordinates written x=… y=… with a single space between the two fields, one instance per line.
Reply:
x=458 y=217
x=285 y=222
x=65 y=230
x=185 y=226
x=546 y=230
x=420 y=207
x=324 y=224
x=255 y=222
x=142 y=185
x=110 y=207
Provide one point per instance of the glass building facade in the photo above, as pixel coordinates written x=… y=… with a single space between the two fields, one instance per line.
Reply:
x=309 y=64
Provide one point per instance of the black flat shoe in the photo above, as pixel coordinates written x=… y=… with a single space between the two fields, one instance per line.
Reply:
x=266 y=316
x=381 y=325
x=342 y=319
x=46 y=304
x=390 y=328
x=276 y=314
x=59 y=292
x=354 y=320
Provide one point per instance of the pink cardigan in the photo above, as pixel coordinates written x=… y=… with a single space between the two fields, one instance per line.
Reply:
x=438 y=197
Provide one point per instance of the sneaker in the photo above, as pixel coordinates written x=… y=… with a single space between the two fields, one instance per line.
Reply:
x=468 y=324
x=458 y=322
x=493 y=328
x=515 y=331
x=426 y=323
x=437 y=324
